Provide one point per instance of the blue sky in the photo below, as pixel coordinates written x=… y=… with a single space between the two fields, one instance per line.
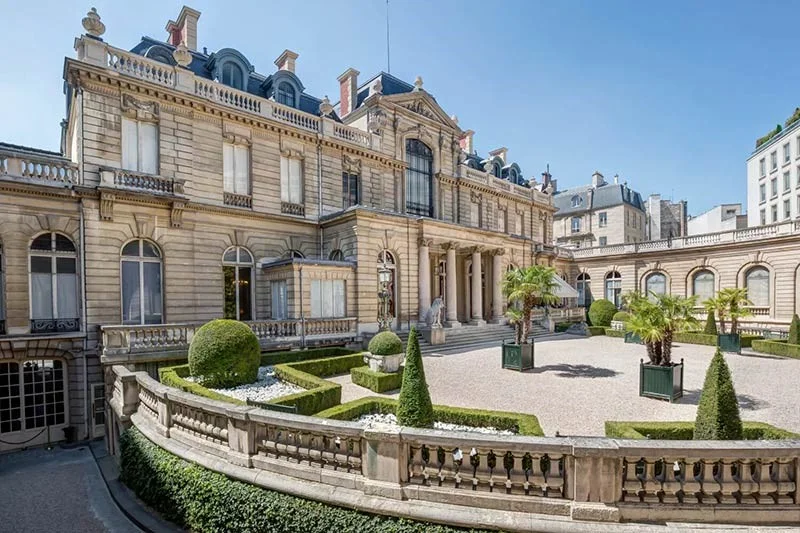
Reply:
x=669 y=95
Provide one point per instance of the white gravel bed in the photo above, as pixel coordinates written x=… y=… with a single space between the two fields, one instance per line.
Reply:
x=370 y=421
x=267 y=387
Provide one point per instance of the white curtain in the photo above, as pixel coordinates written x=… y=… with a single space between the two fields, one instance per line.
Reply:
x=656 y=283
x=67 y=297
x=130 y=145
x=278 y=290
x=131 y=300
x=148 y=147
x=758 y=287
x=704 y=286
x=241 y=169
x=152 y=293
x=327 y=298
x=41 y=295
x=291 y=180
x=338 y=298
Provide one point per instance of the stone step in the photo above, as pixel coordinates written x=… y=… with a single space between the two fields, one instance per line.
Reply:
x=468 y=338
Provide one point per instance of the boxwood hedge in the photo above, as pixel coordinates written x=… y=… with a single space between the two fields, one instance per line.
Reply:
x=524 y=424
x=203 y=501
x=376 y=381
x=777 y=348
x=596 y=330
x=685 y=430
x=619 y=333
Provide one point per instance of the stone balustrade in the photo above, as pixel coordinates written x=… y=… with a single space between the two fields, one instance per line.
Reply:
x=50 y=171
x=138 y=181
x=501 y=479
x=238 y=200
x=139 y=67
x=171 y=341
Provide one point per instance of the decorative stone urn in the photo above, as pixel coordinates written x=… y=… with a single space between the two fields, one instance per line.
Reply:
x=384 y=363
x=385 y=353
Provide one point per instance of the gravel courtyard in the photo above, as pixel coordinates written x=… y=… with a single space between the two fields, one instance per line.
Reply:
x=579 y=383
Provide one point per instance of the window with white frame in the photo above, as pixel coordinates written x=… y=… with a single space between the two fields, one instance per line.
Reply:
x=703 y=285
x=603 y=241
x=773 y=160
x=575 y=223
x=279 y=310
x=32 y=395
x=141 y=283
x=232 y=75
x=757 y=284
x=762 y=192
x=774 y=213
x=602 y=219
x=236 y=168
x=614 y=288
x=762 y=167
x=773 y=187
x=576 y=201
x=798 y=176
x=327 y=298
x=139 y=146
x=787 y=209
x=764 y=212
x=98 y=409
x=53 y=284
x=237 y=274
x=787 y=152
x=584 y=286
x=291 y=180
x=655 y=284
x=787 y=181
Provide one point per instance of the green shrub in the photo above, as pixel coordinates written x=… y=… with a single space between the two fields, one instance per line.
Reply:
x=277 y=358
x=523 y=424
x=794 y=331
x=621 y=316
x=711 y=324
x=693 y=337
x=601 y=312
x=224 y=353
x=596 y=330
x=777 y=348
x=385 y=343
x=561 y=327
x=415 y=408
x=618 y=333
x=746 y=341
x=201 y=500
x=376 y=381
x=718 y=408
x=685 y=431
x=174 y=376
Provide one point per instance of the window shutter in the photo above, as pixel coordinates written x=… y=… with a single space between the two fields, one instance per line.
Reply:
x=148 y=148
x=242 y=167
x=284 y=179
x=227 y=167
x=130 y=145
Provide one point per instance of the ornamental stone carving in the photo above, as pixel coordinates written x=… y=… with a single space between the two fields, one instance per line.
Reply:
x=92 y=24
x=325 y=108
x=176 y=214
x=136 y=109
x=236 y=139
x=376 y=121
x=182 y=56
x=107 y=206
x=351 y=164
x=421 y=109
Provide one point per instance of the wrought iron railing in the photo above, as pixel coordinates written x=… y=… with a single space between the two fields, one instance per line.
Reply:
x=55 y=325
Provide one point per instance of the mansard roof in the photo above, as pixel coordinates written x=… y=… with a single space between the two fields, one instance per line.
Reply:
x=31 y=151
x=203 y=63
x=390 y=85
x=604 y=196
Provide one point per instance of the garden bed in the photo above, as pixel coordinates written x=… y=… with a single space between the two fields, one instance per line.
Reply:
x=515 y=423
x=266 y=388
x=376 y=381
x=685 y=430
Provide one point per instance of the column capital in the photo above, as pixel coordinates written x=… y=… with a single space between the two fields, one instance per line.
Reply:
x=475 y=250
x=425 y=241
x=498 y=251
x=450 y=246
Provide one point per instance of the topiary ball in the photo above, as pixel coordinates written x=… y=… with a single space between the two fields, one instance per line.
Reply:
x=224 y=353
x=385 y=343
x=621 y=316
x=602 y=312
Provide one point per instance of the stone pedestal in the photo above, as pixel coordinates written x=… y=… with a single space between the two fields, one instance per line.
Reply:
x=434 y=335
x=384 y=363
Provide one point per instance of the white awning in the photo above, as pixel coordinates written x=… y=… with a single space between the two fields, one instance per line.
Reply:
x=563 y=289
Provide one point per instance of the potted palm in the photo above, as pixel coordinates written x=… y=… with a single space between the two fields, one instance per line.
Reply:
x=731 y=303
x=524 y=288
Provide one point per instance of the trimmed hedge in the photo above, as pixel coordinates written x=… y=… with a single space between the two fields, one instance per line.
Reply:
x=414 y=404
x=524 y=424
x=718 y=409
x=277 y=358
x=777 y=348
x=596 y=330
x=376 y=381
x=694 y=337
x=601 y=312
x=618 y=333
x=711 y=324
x=561 y=327
x=173 y=376
x=224 y=353
x=685 y=430
x=385 y=343
x=201 y=500
x=794 y=330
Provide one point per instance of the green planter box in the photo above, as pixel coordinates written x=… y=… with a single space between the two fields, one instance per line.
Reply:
x=632 y=338
x=730 y=342
x=662 y=382
x=518 y=356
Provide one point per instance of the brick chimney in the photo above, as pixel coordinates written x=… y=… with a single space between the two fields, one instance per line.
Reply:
x=466 y=141
x=184 y=31
x=348 y=85
x=598 y=180
x=286 y=61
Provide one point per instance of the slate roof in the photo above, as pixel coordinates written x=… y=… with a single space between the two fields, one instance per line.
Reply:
x=390 y=85
x=31 y=151
x=608 y=195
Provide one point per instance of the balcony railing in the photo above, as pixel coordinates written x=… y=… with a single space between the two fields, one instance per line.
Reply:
x=174 y=339
x=238 y=200
x=55 y=171
x=55 y=325
x=293 y=209
x=137 y=181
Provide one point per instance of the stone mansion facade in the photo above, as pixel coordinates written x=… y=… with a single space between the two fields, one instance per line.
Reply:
x=192 y=187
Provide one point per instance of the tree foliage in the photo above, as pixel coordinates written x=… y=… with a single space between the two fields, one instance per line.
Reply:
x=224 y=353
x=794 y=331
x=414 y=407
x=711 y=325
x=526 y=288
x=601 y=312
x=656 y=320
x=718 y=409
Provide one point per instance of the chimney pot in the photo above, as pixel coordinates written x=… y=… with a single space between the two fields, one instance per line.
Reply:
x=286 y=61
x=348 y=85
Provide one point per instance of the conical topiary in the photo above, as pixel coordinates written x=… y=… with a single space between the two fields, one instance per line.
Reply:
x=711 y=324
x=794 y=331
x=414 y=408
x=718 y=409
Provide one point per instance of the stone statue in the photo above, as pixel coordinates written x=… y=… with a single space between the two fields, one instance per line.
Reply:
x=434 y=318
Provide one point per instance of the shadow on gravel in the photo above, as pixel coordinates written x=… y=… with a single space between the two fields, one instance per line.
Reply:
x=746 y=402
x=575 y=371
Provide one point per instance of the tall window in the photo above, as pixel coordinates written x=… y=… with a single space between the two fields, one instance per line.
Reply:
x=773 y=187
x=774 y=213
x=757 y=284
x=787 y=153
x=327 y=298
x=762 y=192
x=237 y=272
x=576 y=224
x=291 y=181
x=602 y=219
x=762 y=167
x=285 y=94
x=236 y=168
x=54 y=284
x=2 y=295
x=703 y=285
x=232 y=75
x=350 y=190
x=773 y=160
x=614 y=288
x=141 y=283
x=602 y=241
x=419 y=178
x=656 y=283
x=32 y=395
x=576 y=201
x=787 y=181
x=787 y=209
x=584 y=290
x=280 y=307
x=476 y=214
x=501 y=221
x=139 y=146
x=763 y=214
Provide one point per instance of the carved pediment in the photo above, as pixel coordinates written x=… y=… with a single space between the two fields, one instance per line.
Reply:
x=421 y=103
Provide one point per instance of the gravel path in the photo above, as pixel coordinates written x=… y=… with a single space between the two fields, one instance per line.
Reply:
x=376 y=420
x=267 y=387
x=579 y=383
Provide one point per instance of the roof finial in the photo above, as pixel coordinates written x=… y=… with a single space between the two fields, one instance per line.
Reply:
x=92 y=24
x=418 y=83
x=325 y=108
x=377 y=87
x=182 y=55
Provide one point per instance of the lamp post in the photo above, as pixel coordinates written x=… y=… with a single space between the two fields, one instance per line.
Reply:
x=384 y=276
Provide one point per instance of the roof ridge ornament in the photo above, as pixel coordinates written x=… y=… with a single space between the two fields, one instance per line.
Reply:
x=182 y=55
x=418 y=83
x=92 y=24
x=325 y=107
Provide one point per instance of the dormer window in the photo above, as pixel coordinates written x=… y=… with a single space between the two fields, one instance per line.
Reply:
x=285 y=94
x=576 y=201
x=232 y=75
x=497 y=171
x=512 y=176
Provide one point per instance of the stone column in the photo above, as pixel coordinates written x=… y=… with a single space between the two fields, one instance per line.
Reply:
x=451 y=306
x=497 y=281
x=424 y=279
x=477 y=289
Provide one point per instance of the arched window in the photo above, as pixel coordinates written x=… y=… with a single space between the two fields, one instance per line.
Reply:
x=584 y=286
x=757 y=283
x=237 y=272
x=576 y=201
x=232 y=75
x=614 y=288
x=294 y=254
x=54 y=284
x=141 y=283
x=703 y=285
x=34 y=396
x=419 y=178
x=285 y=94
x=386 y=260
x=497 y=170
x=336 y=255
x=513 y=177
x=655 y=283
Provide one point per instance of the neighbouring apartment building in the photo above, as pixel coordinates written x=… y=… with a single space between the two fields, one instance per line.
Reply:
x=773 y=175
x=725 y=217
x=665 y=219
x=598 y=214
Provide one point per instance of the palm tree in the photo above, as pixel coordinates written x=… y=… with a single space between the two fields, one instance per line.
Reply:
x=736 y=302
x=530 y=286
x=647 y=322
x=720 y=307
x=678 y=315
